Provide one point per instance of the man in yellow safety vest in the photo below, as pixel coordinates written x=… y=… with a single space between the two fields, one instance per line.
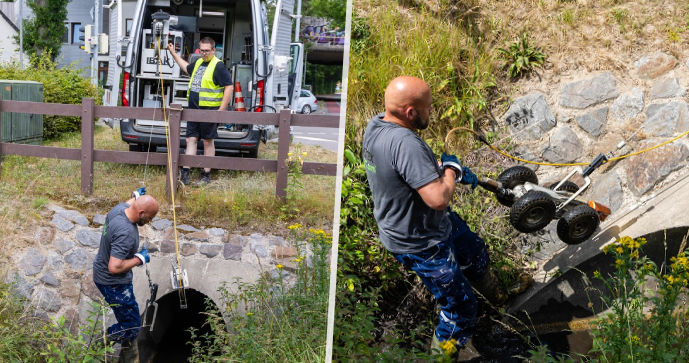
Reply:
x=210 y=88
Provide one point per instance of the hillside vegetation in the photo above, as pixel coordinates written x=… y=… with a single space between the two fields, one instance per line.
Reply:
x=455 y=46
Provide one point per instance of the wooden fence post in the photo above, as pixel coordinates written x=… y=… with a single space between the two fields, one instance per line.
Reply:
x=174 y=122
x=0 y=133
x=283 y=150
x=87 y=114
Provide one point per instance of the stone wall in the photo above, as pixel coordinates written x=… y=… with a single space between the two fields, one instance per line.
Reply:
x=594 y=112
x=54 y=270
x=571 y=118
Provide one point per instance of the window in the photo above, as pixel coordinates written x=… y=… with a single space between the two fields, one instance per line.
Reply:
x=128 y=27
x=76 y=33
x=65 y=36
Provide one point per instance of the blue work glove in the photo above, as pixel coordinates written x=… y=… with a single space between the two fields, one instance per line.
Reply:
x=143 y=256
x=468 y=177
x=451 y=161
x=139 y=192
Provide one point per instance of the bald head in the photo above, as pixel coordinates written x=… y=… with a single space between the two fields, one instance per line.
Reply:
x=408 y=102
x=143 y=210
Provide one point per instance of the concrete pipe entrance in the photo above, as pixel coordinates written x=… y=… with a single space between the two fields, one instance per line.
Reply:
x=168 y=340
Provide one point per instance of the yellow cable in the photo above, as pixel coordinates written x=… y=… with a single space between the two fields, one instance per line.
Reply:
x=169 y=166
x=447 y=138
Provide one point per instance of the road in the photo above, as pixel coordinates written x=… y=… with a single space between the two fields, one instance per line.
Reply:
x=323 y=136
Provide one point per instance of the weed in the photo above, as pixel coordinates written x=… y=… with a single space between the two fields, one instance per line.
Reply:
x=295 y=186
x=620 y=16
x=568 y=17
x=673 y=35
x=628 y=334
x=25 y=337
x=521 y=56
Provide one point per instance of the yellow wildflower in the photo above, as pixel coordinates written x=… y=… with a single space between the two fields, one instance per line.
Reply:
x=619 y=249
x=634 y=254
x=619 y=263
x=279 y=266
x=596 y=274
x=304 y=153
x=249 y=313
x=294 y=226
x=449 y=346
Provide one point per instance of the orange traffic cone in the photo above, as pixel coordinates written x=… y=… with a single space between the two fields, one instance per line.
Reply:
x=238 y=98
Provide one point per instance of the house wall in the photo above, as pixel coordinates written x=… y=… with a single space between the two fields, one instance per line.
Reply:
x=8 y=50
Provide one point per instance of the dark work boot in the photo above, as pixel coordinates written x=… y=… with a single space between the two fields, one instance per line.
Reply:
x=130 y=352
x=184 y=177
x=204 y=179
x=491 y=289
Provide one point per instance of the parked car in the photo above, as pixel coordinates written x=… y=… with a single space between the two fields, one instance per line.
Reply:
x=306 y=103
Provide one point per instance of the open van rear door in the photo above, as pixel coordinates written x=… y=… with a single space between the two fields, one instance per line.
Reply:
x=286 y=75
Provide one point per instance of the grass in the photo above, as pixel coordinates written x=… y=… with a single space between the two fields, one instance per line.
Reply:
x=235 y=200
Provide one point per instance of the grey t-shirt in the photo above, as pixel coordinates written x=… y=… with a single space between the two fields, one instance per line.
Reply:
x=120 y=239
x=397 y=163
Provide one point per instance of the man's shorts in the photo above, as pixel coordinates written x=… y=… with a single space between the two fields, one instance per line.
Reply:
x=202 y=130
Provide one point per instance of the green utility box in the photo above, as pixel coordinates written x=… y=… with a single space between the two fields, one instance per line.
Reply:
x=21 y=128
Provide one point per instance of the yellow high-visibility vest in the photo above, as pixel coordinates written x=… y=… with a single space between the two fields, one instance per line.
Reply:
x=210 y=94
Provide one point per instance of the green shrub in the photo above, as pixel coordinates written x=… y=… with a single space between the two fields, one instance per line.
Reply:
x=67 y=85
x=644 y=317
x=632 y=332
x=26 y=337
x=521 y=56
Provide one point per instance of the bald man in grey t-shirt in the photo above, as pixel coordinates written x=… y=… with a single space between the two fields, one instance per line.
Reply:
x=117 y=256
x=411 y=194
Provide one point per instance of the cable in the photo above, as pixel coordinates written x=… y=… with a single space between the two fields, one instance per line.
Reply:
x=172 y=193
x=483 y=140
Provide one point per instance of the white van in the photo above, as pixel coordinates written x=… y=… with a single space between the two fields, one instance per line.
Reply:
x=269 y=70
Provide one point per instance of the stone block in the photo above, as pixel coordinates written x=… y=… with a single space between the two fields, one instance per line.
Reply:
x=88 y=237
x=655 y=65
x=593 y=122
x=564 y=147
x=628 y=105
x=645 y=170
x=529 y=117
x=62 y=224
x=45 y=235
x=667 y=88
x=32 y=262
x=232 y=252
x=210 y=250
x=188 y=249
x=588 y=92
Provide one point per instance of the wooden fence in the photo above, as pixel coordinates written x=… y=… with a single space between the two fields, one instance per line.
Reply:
x=176 y=114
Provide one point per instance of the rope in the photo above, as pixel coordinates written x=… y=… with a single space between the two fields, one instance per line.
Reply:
x=169 y=167
x=483 y=140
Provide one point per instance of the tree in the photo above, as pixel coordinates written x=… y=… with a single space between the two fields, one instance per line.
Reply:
x=44 y=31
x=335 y=10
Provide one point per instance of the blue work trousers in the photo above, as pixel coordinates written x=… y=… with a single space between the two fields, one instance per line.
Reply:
x=126 y=310
x=444 y=269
